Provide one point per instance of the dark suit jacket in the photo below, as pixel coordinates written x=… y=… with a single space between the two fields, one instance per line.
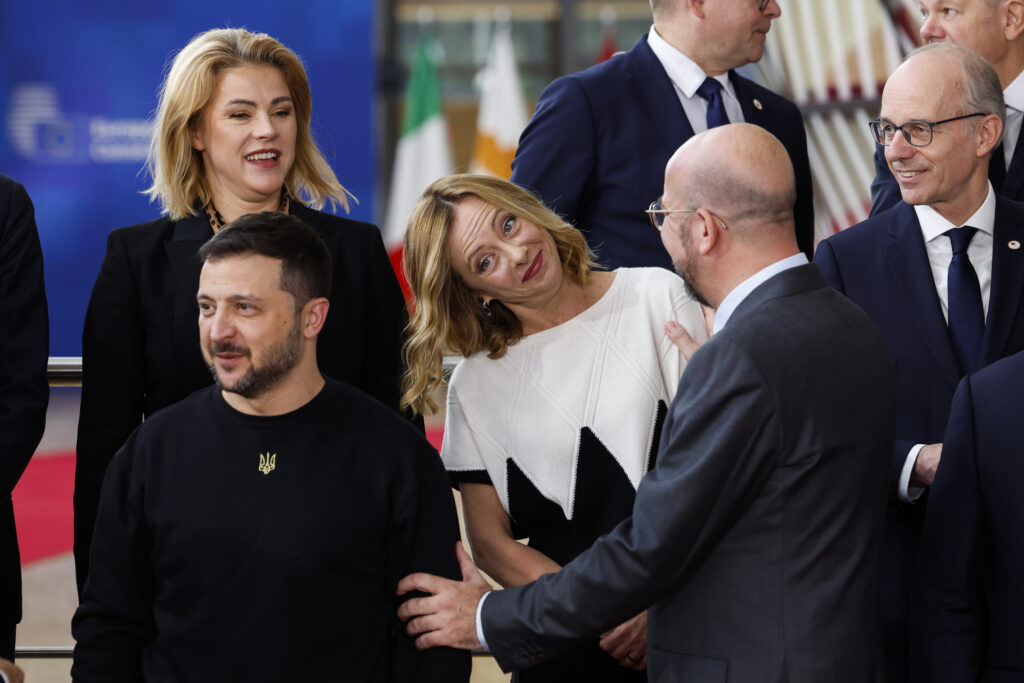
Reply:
x=968 y=624
x=24 y=392
x=885 y=191
x=140 y=345
x=882 y=266
x=755 y=536
x=596 y=148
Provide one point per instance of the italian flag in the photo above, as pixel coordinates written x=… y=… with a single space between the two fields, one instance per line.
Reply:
x=422 y=156
x=502 y=114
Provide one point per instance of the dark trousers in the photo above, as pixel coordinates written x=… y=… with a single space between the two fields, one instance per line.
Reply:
x=7 y=641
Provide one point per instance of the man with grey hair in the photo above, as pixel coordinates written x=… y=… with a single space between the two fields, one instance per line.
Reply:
x=596 y=147
x=995 y=30
x=755 y=539
x=941 y=274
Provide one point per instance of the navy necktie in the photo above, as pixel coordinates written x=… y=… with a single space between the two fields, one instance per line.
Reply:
x=966 y=315
x=711 y=90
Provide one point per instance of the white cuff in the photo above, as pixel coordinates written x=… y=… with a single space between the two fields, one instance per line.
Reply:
x=480 y=622
x=908 y=493
x=4 y=678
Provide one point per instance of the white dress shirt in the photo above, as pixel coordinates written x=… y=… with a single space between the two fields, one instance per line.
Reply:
x=1014 y=96
x=940 y=253
x=686 y=77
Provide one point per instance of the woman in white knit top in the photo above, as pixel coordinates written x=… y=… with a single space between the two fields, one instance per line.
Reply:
x=554 y=413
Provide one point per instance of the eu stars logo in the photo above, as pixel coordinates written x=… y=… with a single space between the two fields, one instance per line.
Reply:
x=268 y=462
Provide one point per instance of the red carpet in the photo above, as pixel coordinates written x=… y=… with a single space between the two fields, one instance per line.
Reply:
x=42 y=503
x=42 y=507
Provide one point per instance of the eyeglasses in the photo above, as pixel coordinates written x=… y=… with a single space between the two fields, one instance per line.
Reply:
x=657 y=214
x=917 y=133
x=762 y=4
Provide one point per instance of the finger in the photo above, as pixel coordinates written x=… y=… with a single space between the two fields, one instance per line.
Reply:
x=415 y=607
x=683 y=341
x=469 y=571
x=422 y=624
x=425 y=583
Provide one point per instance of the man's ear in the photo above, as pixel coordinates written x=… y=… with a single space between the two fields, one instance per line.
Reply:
x=1013 y=20
x=314 y=314
x=989 y=131
x=709 y=231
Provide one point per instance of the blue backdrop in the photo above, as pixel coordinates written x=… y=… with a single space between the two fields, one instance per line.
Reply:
x=78 y=83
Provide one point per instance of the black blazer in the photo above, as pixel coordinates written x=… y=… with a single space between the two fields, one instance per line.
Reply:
x=140 y=345
x=24 y=392
x=756 y=535
x=882 y=266
x=968 y=621
x=596 y=148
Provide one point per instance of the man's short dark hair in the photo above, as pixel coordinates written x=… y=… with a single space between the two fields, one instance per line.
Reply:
x=305 y=260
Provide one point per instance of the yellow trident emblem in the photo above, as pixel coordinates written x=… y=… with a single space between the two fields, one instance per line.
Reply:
x=268 y=462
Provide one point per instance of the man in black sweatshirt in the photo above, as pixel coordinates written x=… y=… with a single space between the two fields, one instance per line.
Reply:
x=257 y=529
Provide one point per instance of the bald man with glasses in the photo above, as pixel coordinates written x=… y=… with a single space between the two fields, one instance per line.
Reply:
x=941 y=274
x=599 y=139
x=995 y=30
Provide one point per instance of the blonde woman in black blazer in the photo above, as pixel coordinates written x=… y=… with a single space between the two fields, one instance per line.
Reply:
x=231 y=137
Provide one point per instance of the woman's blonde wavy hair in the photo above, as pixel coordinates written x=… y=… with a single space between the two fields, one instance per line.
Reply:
x=447 y=315
x=177 y=169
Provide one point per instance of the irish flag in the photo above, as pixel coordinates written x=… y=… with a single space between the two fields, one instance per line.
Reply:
x=502 y=114
x=422 y=156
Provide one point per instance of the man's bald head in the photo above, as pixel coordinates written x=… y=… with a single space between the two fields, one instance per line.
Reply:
x=729 y=192
x=742 y=173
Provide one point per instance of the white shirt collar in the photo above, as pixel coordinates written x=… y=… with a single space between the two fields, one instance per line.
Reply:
x=1014 y=93
x=933 y=225
x=743 y=289
x=682 y=70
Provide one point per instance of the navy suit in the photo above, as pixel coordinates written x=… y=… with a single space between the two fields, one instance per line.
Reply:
x=881 y=264
x=885 y=191
x=968 y=622
x=596 y=148
x=24 y=392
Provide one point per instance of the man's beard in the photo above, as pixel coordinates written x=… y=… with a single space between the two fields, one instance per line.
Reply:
x=281 y=359
x=685 y=270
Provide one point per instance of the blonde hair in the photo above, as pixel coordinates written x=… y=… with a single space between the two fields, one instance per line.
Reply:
x=177 y=169
x=448 y=317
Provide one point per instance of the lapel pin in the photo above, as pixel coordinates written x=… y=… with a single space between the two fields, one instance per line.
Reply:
x=757 y=104
x=1013 y=244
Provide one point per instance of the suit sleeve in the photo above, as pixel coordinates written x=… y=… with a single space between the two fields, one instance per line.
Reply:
x=555 y=156
x=948 y=624
x=24 y=337
x=826 y=260
x=112 y=387
x=719 y=446
x=885 y=191
x=114 y=620
x=423 y=540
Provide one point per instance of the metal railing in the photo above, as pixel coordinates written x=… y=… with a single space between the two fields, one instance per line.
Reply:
x=64 y=371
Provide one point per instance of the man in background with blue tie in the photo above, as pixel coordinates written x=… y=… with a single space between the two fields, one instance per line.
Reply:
x=941 y=274
x=599 y=139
